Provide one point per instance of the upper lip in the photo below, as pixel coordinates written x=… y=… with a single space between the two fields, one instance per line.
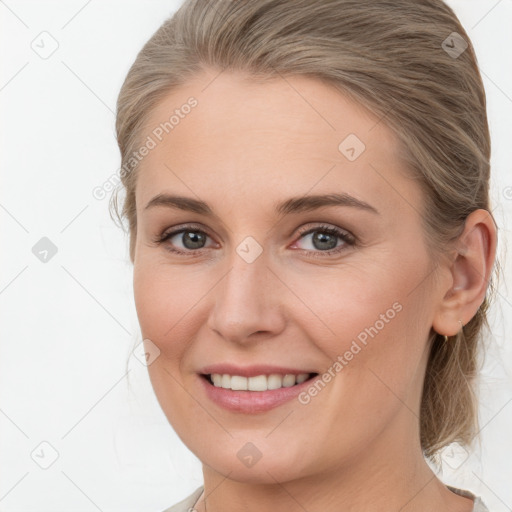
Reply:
x=250 y=371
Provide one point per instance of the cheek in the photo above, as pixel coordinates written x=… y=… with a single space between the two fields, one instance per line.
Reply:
x=164 y=298
x=151 y=300
x=372 y=329
x=162 y=304
x=162 y=309
x=351 y=304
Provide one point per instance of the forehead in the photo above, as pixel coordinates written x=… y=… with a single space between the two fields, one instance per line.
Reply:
x=225 y=133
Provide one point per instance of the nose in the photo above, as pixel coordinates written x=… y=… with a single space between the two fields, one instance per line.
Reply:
x=248 y=302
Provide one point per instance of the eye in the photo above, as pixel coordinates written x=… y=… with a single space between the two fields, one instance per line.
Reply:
x=191 y=238
x=324 y=241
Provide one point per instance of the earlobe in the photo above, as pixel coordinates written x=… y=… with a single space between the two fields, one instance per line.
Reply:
x=470 y=272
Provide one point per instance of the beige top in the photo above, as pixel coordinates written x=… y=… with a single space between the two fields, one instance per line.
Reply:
x=187 y=505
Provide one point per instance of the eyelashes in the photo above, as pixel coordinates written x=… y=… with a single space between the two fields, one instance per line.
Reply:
x=347 y=238
x=166 y=236
x=198 y=236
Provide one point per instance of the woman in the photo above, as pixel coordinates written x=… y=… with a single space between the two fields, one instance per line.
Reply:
x=307 y=192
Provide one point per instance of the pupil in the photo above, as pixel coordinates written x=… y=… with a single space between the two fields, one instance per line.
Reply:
x=192 y=240
x=321 y=238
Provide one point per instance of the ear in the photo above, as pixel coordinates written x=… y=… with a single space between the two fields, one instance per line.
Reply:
x=470 y=273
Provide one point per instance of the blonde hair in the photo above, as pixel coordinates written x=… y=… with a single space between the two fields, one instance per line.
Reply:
x=397 y=59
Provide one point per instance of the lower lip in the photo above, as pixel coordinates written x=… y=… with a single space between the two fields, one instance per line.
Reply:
x=251 y=402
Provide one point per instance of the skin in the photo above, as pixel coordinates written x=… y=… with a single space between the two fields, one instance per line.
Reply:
x=245 y=146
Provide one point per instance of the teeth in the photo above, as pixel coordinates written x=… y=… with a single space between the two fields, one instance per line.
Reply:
x=257 y=383
x=238 y=382
x=302 y=377
x=274 y=381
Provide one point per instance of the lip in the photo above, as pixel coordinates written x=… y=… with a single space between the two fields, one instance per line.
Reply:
x=251 y=371
x=252 y=402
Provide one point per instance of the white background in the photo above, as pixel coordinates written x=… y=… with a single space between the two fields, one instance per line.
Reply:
x=68 y=325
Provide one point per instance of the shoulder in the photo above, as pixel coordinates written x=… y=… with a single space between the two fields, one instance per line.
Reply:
x=187 y=504
x=479 y=505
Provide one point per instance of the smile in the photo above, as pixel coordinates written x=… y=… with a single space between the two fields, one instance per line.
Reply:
x=258 y=382
x=255 y=394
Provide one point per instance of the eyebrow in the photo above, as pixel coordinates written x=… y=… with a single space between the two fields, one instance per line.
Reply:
x=291 y=205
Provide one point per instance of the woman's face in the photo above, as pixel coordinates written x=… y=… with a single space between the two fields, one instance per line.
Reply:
x=258 y=281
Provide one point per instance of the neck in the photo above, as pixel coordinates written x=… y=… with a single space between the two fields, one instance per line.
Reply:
x=388 y=474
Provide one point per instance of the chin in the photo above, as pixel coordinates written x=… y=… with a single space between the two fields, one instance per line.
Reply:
x=242 y=467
